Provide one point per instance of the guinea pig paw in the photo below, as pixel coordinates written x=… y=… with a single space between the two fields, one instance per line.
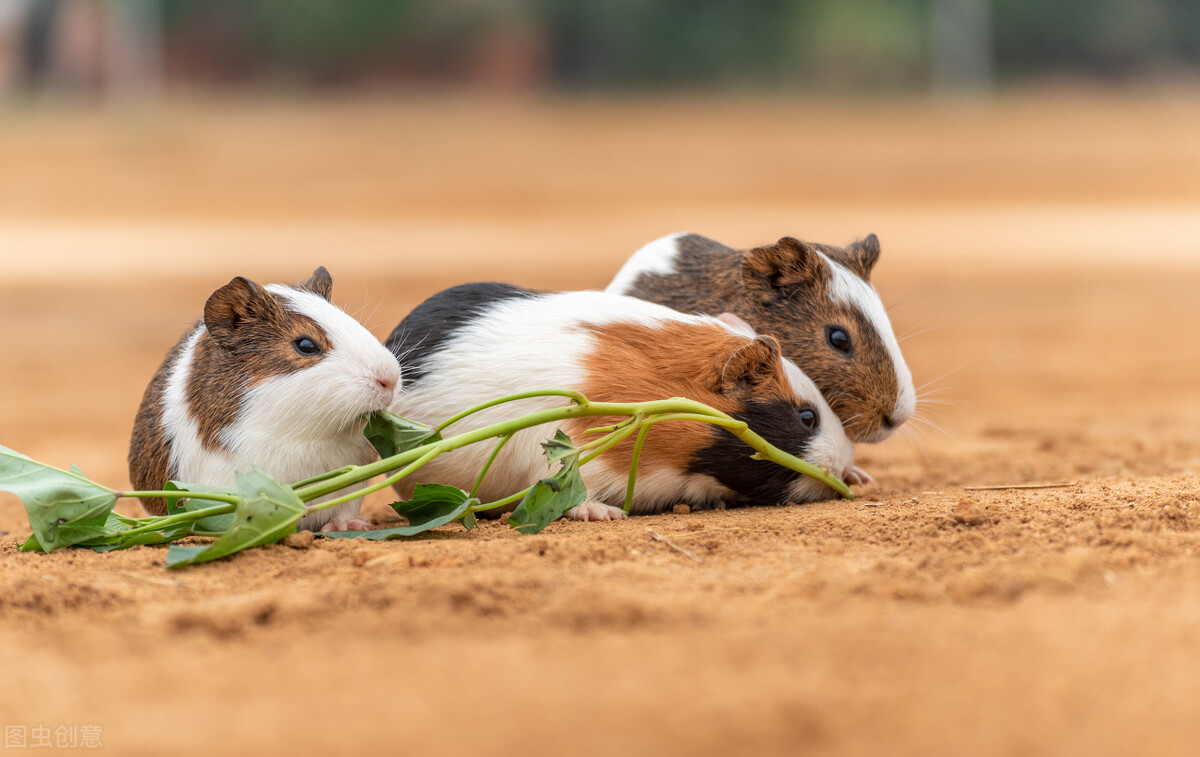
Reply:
x=856 y=476
x=593 y=510
x=357 y=523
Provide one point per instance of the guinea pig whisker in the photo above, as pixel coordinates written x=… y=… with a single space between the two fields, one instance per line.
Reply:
x=935 y=390
x=409 y=349
x=851 y=419
x=942 y=377
x=927 y=423
x=913 y=334
x=906 y=300
x=368 y=322
x=906 y=433
x=925 y=402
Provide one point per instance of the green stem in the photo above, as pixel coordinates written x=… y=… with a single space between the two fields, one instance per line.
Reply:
x=488 y=465
x=323 y=476
x=633 y=420
x=191 y=516
x=633 y=465
x=608 y=443
x=502 y=502
x=576 y=397
x=551 y=415
x=182 y=494
x=406 y=470
x=764 y=450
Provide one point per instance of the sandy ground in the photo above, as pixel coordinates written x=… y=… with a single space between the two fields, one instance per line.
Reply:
x=1040 y=257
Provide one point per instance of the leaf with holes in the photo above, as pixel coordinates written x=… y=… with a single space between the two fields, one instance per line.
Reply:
x=551 y=497
x=64 y=507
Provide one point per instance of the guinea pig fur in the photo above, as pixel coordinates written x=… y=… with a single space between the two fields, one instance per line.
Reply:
x=477 y=342
x=275 y=378
x=816 y=299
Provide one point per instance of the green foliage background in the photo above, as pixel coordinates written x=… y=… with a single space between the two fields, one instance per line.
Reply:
x=654 y=43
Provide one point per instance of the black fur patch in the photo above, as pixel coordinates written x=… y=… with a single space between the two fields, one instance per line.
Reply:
x=756 y=482
x=435 y=321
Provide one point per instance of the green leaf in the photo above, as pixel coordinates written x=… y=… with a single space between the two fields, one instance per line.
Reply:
x=559 y=447
x=31 y=545
x=176 y=505
x=469 y=521
x=551 y=497
x=435 y=505
x=64 y=507
x=432 y=505
x=267 y=512
x=184 y=554
x=390 y=434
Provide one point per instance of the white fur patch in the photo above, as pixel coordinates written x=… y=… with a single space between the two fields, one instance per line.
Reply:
x=849 y=288
x=190 y=461
x=736 y=325
x=656 y=257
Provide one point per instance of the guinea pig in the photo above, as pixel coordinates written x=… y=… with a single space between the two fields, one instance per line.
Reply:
x=816 y=299
x=276 y=378
x=477 y=342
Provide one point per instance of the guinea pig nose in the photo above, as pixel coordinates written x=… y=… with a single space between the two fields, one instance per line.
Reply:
x=887 y=421
x=387 y=383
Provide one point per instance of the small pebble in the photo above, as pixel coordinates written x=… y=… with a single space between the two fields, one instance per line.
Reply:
x=968 y=513
x=681 y=509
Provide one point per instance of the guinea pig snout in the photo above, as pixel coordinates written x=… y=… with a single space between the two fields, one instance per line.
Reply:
x=385 y=381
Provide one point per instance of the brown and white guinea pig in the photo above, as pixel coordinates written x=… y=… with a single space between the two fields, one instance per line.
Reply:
x=477 y=342
x=275 y=378
x=816 y=299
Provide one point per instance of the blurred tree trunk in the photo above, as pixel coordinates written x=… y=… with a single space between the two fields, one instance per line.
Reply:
x=133 y=48
x=960 y=46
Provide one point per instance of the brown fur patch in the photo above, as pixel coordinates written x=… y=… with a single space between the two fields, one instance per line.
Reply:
x=320 y=283
x=149 y=459
x=706 y=363
x=711 y=278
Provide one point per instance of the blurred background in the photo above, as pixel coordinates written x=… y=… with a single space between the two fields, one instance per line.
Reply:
x=122 y=46
x=1004 y=151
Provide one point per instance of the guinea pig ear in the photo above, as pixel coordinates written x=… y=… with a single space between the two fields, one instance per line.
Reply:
x=320 y=283
x=236 y=304
x=770 y=273
x=752 y=365
x=861 y=256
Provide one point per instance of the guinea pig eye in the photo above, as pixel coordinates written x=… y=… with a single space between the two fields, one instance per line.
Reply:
x=306 y=346
x=838 y=339
x=807 y=418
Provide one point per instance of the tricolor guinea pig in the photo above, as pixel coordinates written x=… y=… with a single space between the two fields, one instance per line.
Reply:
x=478 y=342
x=273 y=377
x=816 y=299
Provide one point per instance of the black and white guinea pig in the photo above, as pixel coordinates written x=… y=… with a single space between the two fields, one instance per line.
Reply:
x=275 y=378
x=477 y=342
x=816 y=299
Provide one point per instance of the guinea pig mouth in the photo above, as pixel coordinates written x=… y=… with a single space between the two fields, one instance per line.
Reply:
x=381 y=398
